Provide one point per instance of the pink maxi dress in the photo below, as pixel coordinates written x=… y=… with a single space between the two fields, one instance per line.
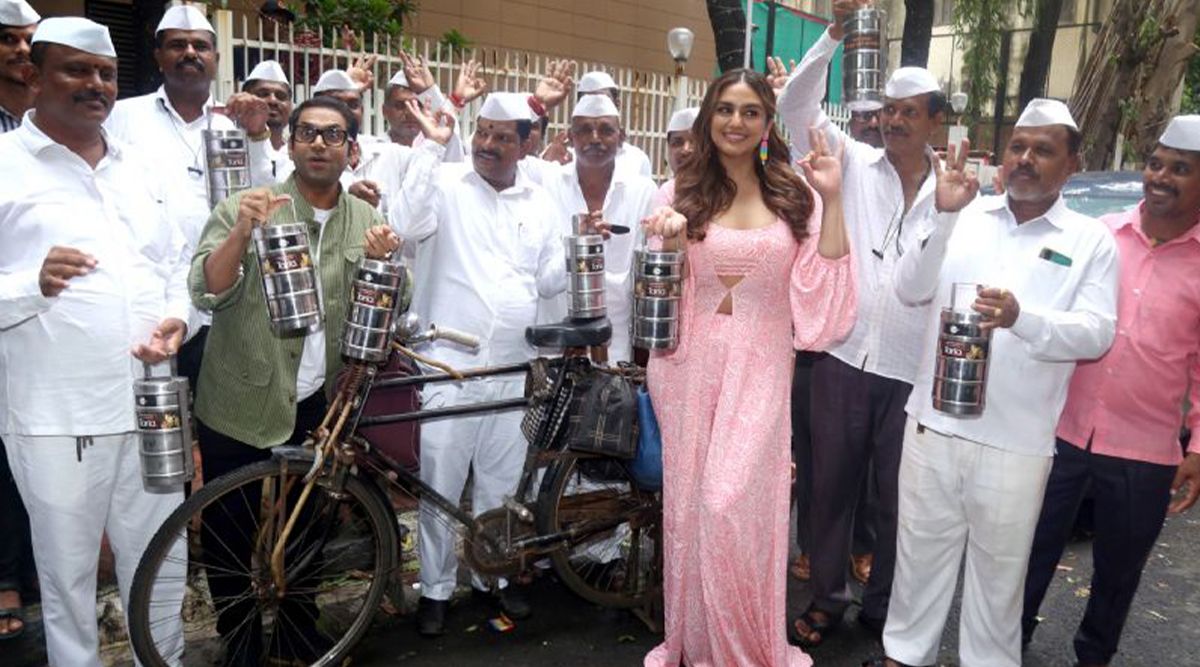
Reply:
x=722 y=399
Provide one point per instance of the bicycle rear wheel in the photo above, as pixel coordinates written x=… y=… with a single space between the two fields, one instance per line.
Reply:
x=203 y=593
x=611 y=531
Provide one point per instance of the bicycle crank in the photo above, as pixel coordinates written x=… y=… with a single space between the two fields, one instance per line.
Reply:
x=488 y=549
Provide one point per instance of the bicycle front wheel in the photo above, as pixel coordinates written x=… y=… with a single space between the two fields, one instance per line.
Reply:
x=611 y=531
x=205 y=593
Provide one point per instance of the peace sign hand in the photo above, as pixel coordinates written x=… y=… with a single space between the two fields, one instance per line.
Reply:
x=778 y=74
x=955 y=186
x=822 y=169
x=362 y=71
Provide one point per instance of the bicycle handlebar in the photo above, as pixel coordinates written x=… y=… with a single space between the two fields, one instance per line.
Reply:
x=454 y=336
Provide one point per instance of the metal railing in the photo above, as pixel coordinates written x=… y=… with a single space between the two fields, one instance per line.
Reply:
x=646 y=98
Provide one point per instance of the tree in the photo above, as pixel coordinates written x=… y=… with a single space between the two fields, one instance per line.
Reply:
x=1128 y=82
x=1041 y=48
x=981 y=25
x=1191 y=83
x=728 y=20
x=918 y=31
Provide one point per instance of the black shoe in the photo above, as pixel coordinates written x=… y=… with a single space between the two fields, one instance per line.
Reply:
x=431 y=617
x=510 y=601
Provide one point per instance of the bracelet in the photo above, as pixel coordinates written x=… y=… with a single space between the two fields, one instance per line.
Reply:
x=457 y=101
x=537 y=106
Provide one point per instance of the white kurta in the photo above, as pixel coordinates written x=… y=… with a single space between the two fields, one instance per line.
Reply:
x=629 y=199
x=486 y=258
x=65 y=359
x=886 y=337
x=66 y=371
x=1067 y=313
x=175 y=150
x=976 y=484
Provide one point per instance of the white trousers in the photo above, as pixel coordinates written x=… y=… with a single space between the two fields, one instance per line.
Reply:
x=491 y=445
x=957 y=494
x=71 y=504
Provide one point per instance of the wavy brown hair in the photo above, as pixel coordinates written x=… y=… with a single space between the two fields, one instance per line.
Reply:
x=702 y=188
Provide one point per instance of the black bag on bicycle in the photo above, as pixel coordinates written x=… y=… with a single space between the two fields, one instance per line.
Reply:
x=603 y=416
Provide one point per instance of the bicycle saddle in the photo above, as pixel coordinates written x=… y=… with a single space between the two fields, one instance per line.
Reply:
x=570 y=333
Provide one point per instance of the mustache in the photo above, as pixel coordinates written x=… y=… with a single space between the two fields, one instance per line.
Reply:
x=1174 y=191
x=196 y=62
x=89 y=96
x=895 y=131
x=1024 y=171
x=491 y=154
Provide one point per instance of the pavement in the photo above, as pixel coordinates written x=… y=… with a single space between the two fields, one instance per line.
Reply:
x=1163 y=628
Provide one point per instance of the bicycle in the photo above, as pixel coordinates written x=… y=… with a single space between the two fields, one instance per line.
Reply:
x=325 y=537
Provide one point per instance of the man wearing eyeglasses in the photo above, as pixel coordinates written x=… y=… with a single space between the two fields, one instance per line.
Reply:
x=257 y=389
x=857 y=415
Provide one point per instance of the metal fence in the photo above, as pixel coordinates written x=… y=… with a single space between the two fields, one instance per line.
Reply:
x=646 y=98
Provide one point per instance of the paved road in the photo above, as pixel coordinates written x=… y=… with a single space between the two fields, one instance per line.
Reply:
x=1164 y=628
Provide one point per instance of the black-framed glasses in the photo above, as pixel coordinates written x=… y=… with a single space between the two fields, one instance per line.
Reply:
x=332 y=135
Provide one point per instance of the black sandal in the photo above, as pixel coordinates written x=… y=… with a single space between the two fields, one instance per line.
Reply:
x=13 y=614
x=822 y=629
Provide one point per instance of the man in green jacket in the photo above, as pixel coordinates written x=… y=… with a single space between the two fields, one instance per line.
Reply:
x=259 y=389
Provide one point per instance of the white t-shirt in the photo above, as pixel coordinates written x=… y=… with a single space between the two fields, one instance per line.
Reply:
x=311 y=376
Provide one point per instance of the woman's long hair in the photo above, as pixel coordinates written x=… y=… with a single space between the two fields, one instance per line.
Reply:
x=703 y=190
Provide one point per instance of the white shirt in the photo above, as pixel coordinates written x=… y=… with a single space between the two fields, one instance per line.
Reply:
x=631 y=161
x=886 y=333
x=630 y=198
x=152 y=127
x=311 y=375
x=174 y=149
x=1067 y=313
x=65 y=362
x=486 y=258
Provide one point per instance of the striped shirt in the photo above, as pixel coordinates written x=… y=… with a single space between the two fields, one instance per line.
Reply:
x=8 y=122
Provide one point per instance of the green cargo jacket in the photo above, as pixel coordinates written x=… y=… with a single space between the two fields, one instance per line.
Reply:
x=247 y=384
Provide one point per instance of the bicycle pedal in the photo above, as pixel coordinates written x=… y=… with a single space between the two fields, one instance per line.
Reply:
x=519 y=509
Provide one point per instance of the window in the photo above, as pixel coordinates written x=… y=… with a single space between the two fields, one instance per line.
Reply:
x=943 y=12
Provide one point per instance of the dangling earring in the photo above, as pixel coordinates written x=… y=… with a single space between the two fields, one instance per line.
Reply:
x=762 y=149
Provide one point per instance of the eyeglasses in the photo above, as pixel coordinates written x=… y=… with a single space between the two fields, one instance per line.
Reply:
x=332 y=135
x=891 y=235
x=864 y=116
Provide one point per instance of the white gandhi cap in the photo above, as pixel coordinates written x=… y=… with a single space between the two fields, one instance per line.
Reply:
x=17 y=13
x=184 y=17
x=683 y=120
x=1183 y=133
x=595 y=106
x=506 y=106
x=268 y=70
x=335 y=79
x=1041 y=112
x=910 y=82
x=595 y=82
x=398 y=80
x=77 y=33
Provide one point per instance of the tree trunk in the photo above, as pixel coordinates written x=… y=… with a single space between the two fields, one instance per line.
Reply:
x=918 y=31
x=728 y=20
x=1128 y=82
x=1041 y=48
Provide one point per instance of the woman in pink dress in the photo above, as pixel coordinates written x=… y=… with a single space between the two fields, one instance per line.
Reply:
x=761 y=279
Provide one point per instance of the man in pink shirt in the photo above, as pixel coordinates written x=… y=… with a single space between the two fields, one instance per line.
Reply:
x=1119 y=431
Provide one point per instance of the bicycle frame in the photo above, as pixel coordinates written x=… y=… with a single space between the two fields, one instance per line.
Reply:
x=351 y=400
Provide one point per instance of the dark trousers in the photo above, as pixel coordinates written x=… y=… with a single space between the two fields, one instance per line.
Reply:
x=190 y=355
x=864 y=523
x=857 y=417
x=17 y=572
x=228 y=534
x=1131 y=500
